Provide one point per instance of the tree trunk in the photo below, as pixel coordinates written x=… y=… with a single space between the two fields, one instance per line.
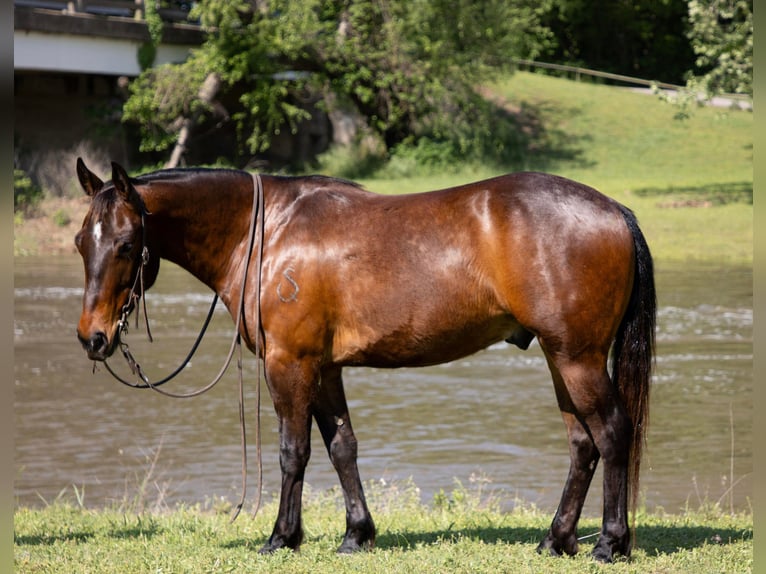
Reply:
x=206 y=93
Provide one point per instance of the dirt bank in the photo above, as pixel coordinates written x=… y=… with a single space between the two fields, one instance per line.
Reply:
x=52 y=229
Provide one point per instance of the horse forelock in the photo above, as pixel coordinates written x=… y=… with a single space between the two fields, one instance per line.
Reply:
x=103 y=202
x=107 y=201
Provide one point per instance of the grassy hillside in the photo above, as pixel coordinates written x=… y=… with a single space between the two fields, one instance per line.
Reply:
x=689 y=181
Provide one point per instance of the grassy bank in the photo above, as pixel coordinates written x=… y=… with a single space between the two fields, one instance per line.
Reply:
x=689 y=181
x=459 y=532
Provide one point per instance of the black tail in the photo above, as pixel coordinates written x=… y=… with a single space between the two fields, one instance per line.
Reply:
x=632 y=355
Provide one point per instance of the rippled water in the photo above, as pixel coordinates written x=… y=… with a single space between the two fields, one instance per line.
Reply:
x=491 y=415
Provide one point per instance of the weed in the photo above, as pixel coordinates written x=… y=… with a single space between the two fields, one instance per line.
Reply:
x=61 y=218
x=26 y=195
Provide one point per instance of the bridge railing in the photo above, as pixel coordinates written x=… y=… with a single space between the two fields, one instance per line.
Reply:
x=169 y=10
x=578 y=71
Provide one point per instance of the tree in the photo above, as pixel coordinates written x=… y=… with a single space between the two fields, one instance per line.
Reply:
x=721 y=33
x=644 y=39
x=410 y=67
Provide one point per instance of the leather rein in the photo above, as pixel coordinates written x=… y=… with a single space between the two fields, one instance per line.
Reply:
x=137 y=293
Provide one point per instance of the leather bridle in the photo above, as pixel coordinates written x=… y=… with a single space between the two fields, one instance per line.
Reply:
x=137 y=293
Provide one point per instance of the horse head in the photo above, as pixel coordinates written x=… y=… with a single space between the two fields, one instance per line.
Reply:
x=113 y=246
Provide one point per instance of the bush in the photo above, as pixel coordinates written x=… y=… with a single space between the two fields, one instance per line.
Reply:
x=61 y=218
x=425 y=156
x=26 y=195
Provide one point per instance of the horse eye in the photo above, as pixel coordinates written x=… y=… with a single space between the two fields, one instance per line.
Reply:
x=124 y=249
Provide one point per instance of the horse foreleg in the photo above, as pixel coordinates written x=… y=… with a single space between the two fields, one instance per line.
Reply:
x=331 y=413
x=291 y=393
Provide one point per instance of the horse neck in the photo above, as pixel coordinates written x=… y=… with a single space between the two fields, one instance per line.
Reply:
x=201 y=223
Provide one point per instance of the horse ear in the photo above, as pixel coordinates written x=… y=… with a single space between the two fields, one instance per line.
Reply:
x=89 y=181
x=123 y=185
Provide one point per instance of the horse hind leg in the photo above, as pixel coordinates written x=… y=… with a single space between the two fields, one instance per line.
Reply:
x=331 y=413
x=598 y=428
x=562 y=535
x=583 y=456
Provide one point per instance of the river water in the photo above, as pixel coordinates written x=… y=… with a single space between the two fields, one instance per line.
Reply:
x=490 y=417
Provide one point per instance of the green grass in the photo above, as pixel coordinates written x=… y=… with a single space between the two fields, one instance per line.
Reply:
x=459 y=532
x=689 y=181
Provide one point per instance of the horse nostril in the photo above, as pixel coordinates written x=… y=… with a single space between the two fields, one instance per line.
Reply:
x=97 y=343
x=96 y=346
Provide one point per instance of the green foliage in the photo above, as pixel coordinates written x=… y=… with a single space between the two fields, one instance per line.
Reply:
x=146 y=54
x=409 y=67
x=153 y=20
x=26 y=195
x=159 y=96
x=147 y=51
x=412 y=68
x=722 y=37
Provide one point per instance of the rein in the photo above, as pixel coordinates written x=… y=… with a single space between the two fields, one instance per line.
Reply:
x=137 y=293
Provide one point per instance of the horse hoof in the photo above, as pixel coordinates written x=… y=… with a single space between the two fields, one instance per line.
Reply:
x=554 y=548
x=351 y=545
x=276 y=544
x=605 y=551
x=549 y=550
x=603 y=556
x=348 y=548
x=268 y=549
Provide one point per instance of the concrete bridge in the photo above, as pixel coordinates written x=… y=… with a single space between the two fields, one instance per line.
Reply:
x=95 y=36
x=72 y=61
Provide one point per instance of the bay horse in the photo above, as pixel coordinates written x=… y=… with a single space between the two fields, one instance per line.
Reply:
x=350 y=277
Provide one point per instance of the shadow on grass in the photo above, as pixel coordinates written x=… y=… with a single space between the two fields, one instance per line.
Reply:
x=506 y=135
x=533 y=137
x=669 y=539
x=706 y=195
x=84 y=536
x=51 y=539
x=508 y=535
x=653 y=540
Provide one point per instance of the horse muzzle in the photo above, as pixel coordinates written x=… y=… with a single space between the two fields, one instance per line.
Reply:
x=97 y=345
